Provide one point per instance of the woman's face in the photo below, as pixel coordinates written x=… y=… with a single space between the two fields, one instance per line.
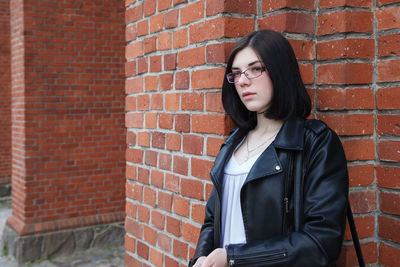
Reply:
x=256 y=93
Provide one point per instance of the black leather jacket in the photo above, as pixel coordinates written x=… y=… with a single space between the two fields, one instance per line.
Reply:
x=306 y=156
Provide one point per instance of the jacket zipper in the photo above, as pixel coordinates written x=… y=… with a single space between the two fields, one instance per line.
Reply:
x=287 y=185
x=253 y=259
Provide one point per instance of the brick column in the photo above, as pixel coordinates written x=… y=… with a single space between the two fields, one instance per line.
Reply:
x=5 y=98
x=67 y=120
x=348 y=53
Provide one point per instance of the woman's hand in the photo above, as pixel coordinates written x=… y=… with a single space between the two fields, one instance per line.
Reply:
x=217 y=258
x=199 y=261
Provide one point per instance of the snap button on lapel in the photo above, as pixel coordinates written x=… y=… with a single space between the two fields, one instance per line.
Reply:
x=277 y=167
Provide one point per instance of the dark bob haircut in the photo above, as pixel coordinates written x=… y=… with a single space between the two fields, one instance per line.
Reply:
x=290 y=97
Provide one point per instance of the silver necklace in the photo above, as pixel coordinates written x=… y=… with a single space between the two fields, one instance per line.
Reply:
x=263 y=143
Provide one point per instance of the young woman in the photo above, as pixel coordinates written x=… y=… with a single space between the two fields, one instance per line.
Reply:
x=280 y=181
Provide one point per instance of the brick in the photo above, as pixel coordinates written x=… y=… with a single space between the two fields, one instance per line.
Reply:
x=174 y=226
x=361 y=175
x=386 y=98
x=389 y=228
x=201 y=168
x=388 y=176
x=198 y=212
x=143 y=215
x=212 y=124
x=359 y=149
x=345 y=99
x=130 y=172
x=193 y=144
x=192 y=12
x=363 y=201
x=156 y=102
x=166 y=81
x=130 y=210
x=134 y=50
x=142 y=250
x=130 y=103
x=180 y=165
x=143 y=27
x=303 y=49
x=365 y=227
x=150 y=158
x=134 y=155
x=165 y=202
x=192 y=101
x=133 y=227
x=190 y=233
x=388 y=18
x=214 y=7
x=151 y=120
x=208 y=78
x=156 y=257
x=144 y=139
x=165 y=121
x=307 y=73
x=180 y=38
x=389 y=151
x=172 y=182
x=157 y=177
x=156 y=23
x=347 y=3
x=143 y=102
x=157 y=219
x=388 y=255
x=143 y=65
x=143 y=177
x=345 y=73
x=181 y=206
x=213 y=102
x=214 y=145
x=354 y=124
x=172 y=102
x=170 y=62
x=182 y=80
x=164 y=41
x=164 y=242
x=133 y=14
x=130 y=243
x=345 y=21
x=346 y=48
x=390 y=202
x=173 y=141
x=149 y=44
x=134 y=85
x=218 y=53
x=158 y=140
x=348 y=255
x=165 y=161
x=131 y=138
x=182 y=123
x=130 y=33
x=388 y=125
x=177 y=2
x=388 y=71
x=294 y=22
x=130 y=68
x=155 y=64
x=269 y=5
x=192 y=188
x=389 y=45
x=170 y=262
x=180 y=249
x=149 y=7
x=191 y=57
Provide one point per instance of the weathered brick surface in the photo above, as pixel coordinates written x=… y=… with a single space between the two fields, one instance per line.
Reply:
x=67 y=114
x=5 y=94
x=349 y=59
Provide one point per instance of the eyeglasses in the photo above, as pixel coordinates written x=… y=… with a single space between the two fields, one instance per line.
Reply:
x=250 y=73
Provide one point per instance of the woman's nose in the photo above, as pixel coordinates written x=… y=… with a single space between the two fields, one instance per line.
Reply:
x=243 y=80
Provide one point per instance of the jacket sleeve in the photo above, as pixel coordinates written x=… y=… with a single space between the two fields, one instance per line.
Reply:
x=205 y=244
x=319 y=239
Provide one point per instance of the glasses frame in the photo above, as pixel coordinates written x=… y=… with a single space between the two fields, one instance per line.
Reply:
x=263 y=68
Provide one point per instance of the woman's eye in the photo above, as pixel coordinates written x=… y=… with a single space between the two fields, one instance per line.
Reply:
x=236 y=74
x=256 y=69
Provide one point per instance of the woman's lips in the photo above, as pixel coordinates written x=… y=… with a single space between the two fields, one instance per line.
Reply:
x=247 y=95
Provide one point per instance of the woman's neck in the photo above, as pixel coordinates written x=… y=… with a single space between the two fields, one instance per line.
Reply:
x=266 y=126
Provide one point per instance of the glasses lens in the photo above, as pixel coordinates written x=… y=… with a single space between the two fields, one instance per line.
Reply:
x=230 y=77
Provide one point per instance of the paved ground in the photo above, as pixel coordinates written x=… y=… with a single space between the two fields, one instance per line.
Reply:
x=93 y=258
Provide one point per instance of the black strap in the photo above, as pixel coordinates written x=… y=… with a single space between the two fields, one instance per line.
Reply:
x=354 y=235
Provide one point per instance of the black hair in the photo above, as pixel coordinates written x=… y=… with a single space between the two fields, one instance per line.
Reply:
x=290 y=97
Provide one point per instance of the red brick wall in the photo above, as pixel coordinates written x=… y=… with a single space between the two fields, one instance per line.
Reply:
x=5 y=93
x=67 y=114
x=349 y=56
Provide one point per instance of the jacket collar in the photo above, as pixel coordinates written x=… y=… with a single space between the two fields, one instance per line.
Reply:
x=290 y=137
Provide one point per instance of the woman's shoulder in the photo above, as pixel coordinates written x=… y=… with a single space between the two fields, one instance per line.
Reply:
x=316 y=126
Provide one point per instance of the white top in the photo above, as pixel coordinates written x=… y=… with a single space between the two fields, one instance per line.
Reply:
x=232 y=220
